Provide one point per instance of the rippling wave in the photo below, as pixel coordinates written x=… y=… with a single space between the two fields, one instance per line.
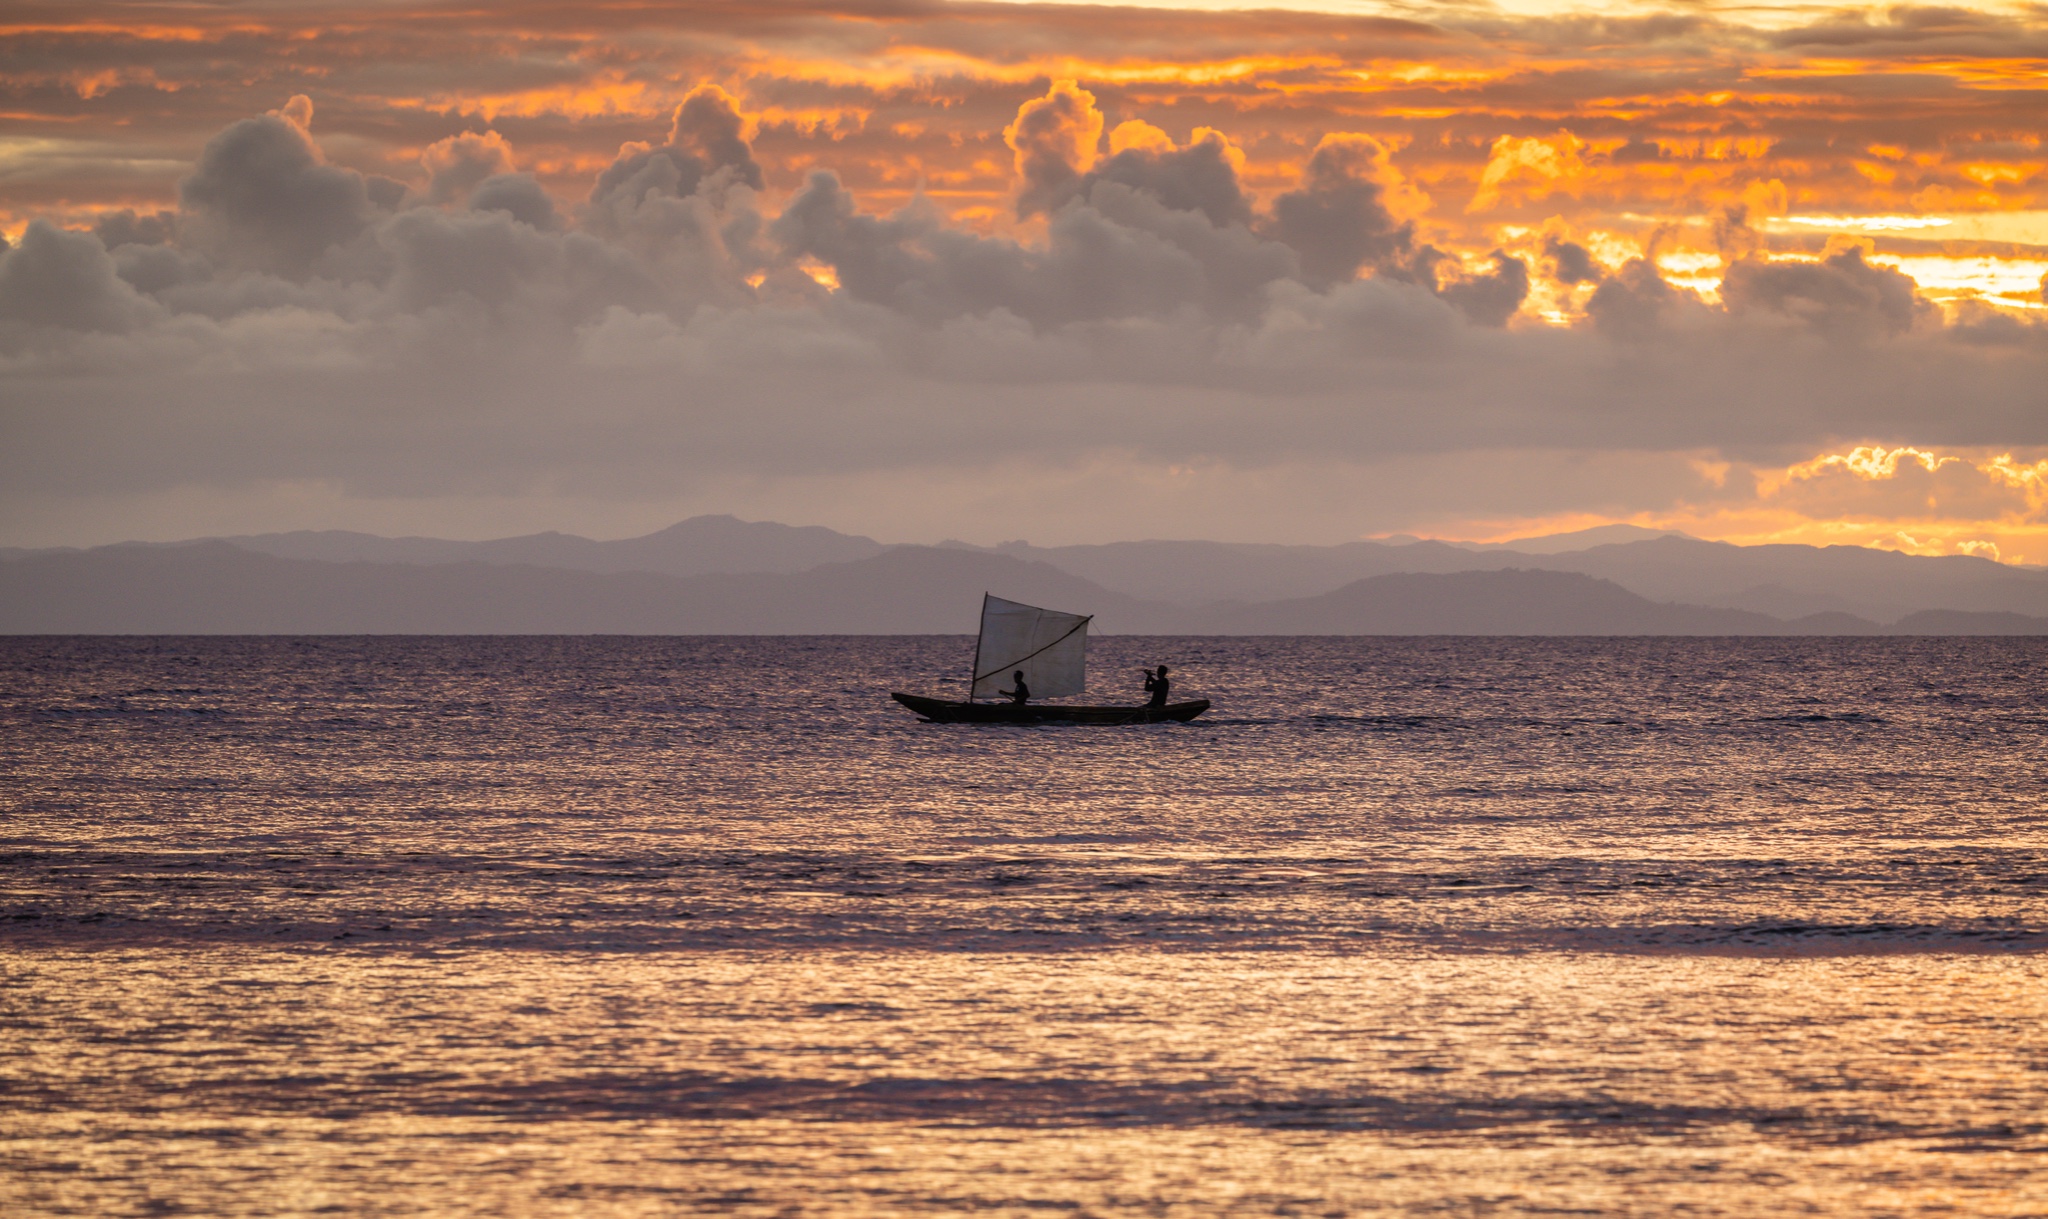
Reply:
x=640 y=926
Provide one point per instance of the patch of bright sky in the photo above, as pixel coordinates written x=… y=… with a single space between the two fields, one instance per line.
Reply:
x=1763 y=15
x=2015 y=281
x=2020 y=228
x=1699 y=270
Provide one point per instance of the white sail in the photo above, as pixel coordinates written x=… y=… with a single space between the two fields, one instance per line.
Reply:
x=1050 y=647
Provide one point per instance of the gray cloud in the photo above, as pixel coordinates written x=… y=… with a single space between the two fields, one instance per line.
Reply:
x=1636 y=302
x=457 y=164
x=1570 y=263
x=66 y=280
x=1491 y=299
x=262 y=197
x=705 y=147
x=125 y=227
x=1055 y=138
x=1841 y=296
x=1196 y=178
x=489 y=266
x=1337 y=220
x=686 y=207
x=669 y=335
x=708 y=125
x=519 y=196
x=1121 y=252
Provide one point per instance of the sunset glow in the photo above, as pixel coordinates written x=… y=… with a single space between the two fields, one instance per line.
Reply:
x=1709 y=146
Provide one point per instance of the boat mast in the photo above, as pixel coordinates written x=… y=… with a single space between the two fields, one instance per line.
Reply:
x=974 y=671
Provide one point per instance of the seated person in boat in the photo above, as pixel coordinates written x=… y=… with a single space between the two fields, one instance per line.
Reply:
x=1157 y=686
x=1022 y=694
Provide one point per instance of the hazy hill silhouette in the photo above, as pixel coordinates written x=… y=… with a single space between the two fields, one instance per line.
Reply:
x=1791 y=580
x=215 y=588
x=1198 y=572
x=722 y=575
x=702 y=545
x=1512 y=602
x=1784 y=581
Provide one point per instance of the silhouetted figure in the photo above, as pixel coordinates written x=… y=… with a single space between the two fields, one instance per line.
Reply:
x=1157 y=686
x=1022 y=694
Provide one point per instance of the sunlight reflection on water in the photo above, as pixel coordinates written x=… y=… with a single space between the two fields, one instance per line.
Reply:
x=632 y=927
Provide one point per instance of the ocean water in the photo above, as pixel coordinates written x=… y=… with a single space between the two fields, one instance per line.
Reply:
x=626 y=927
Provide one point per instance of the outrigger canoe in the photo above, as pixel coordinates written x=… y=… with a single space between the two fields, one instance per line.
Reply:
x=942 y=712
x=1047 y=651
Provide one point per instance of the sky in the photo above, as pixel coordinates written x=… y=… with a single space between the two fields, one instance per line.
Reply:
x=1057 y=272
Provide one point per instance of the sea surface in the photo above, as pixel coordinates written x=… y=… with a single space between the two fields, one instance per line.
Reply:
x=652 y=926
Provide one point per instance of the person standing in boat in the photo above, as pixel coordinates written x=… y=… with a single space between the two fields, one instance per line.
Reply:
x=1022 y=694
x=1157 y=686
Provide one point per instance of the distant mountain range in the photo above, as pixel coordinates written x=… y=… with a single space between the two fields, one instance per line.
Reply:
x=1781 y=581
x=718 y=575
x=702 y=545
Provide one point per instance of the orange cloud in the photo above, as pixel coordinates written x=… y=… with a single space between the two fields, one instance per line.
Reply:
x=1538 y=165
x=1055 y=138
x=1630 y=132
x=1920 y=500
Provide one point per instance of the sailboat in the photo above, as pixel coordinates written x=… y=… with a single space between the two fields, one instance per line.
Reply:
x=1050 y=649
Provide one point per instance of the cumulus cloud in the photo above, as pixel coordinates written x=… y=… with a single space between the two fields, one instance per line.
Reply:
x=1637 y=302
x=706 y=147
x=708 y=125
x=125 y=227
x=1531 y=167
x=1841 y=296
x=687 y=323
x=1122 y=253
x=1055 y=140
x=877 y=258
x=1571 y=264
x=263 y=196
x=519 y=196
x=457 y=164
x=1339 y=220
x=687 y=205
x=1201 y=177
x=1490 y=299
x=516 y=280
x=66 y=280
x=1906 y=483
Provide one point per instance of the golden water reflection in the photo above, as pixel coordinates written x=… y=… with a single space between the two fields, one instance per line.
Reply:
x=245 y=1081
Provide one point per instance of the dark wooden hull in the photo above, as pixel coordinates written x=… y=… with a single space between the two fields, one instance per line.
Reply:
x=942 y=712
